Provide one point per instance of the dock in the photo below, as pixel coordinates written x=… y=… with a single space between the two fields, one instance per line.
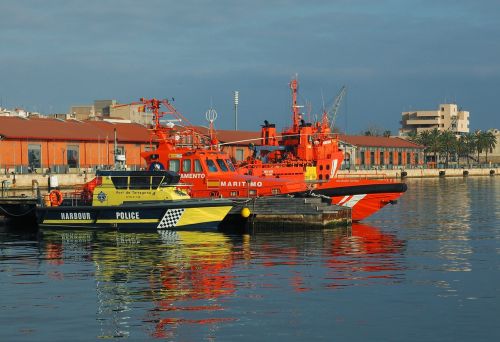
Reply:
x=19 y=210
x=286 y=214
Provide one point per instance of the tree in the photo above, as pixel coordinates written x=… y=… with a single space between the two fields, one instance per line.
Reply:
x=480 y=142
x=470 y=145
x=490 y=141
x=373 y=130
x=434 y=142
x=424 y=139
x=447 y=142
x=413 y=136
x=387 y=133
x=461 y=148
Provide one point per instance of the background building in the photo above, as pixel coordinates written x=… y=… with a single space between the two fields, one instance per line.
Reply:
x=83 y=112
x=133 y=113
x=102 y=108
x=368 y=152
x=36 y=144
x=447 y=117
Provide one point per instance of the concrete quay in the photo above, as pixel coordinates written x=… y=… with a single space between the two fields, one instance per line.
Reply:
x=418 y=173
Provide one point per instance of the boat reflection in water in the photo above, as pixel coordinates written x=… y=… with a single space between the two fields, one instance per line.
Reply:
x=185 y=284
x=177 y=273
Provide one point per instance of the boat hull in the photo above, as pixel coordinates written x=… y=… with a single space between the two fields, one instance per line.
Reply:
x=144 y=216
x=362 y=197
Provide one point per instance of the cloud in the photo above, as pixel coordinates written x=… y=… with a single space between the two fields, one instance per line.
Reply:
x=388 y=51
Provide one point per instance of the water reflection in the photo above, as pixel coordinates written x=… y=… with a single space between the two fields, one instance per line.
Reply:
x=180 y=284
x=431 y=257
x=171 y=273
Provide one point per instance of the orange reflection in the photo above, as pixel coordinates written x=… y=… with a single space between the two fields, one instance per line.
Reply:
x=367 y=249
x=199 y=270
x=54 y=252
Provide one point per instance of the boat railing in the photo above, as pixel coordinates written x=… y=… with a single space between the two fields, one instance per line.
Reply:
x=380 y=175
x=80 y=195
x=291 y=163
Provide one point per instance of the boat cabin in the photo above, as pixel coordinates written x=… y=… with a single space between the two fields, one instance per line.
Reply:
x=117 y=187
x=212 y=174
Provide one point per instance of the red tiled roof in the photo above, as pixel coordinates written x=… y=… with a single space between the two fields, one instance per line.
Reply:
x=125 y=131
x=374 y=141
x=72 y=130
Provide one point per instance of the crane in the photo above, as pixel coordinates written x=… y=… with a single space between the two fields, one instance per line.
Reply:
x=332 y=112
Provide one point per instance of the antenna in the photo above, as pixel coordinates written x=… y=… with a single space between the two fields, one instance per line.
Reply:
x=211 y=116
x=323 y=101
x=236 y=102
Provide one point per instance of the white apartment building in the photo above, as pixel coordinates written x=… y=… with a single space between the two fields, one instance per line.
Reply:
x=447 y=117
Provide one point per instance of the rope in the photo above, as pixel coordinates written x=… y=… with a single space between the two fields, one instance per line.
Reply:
x=16 y=215
x=319 y=196
x=242 y=202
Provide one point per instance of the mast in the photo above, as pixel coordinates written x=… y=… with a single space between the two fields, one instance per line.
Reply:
x=294 y=86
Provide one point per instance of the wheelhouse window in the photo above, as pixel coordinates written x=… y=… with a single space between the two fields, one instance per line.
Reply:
x=34 y=156
x=140 y=182
x=120 y=183
x=174 y=165
x=156 y=181
x=186 y=165
x=197 y=166
x=222 y=165
x=211 y=165
x=239 y=154
x=120 y=150
x=230 y=164
x=72 y=155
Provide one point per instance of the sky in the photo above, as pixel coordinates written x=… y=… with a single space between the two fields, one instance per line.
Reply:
x=392 y=55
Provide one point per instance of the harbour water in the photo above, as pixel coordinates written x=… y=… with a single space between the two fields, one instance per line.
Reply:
x=426 y=269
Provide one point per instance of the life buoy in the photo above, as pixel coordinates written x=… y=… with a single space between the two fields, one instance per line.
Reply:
x=56 y=198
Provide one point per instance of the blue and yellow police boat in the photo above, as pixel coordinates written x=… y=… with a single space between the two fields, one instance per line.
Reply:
x=131 y=200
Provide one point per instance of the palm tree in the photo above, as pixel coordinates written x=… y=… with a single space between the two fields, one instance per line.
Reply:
x=490 y=141
x=480 y=142
x=461 y=148
x=447 y=142
x=434 y=143
x=423 y=139
x=470 y=145
x=413 y=136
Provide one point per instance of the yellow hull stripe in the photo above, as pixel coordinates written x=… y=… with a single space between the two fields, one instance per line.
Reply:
x=66 y=221
x=202 y=215
x=189 y=216
x=128 y=221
